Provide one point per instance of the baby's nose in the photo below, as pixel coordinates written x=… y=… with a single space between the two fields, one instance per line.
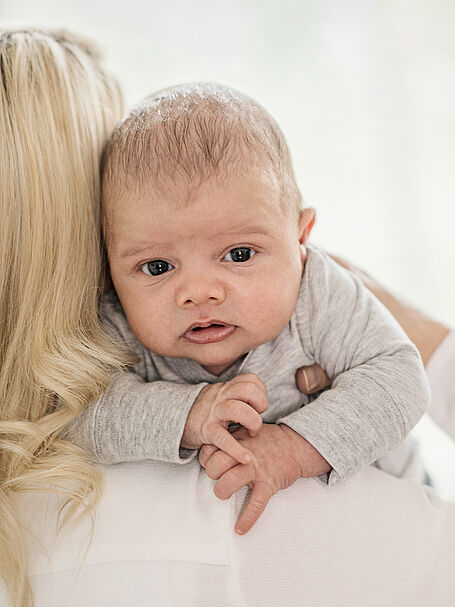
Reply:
x=200 y=290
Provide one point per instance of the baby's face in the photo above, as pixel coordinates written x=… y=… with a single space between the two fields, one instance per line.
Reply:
x=208 y=277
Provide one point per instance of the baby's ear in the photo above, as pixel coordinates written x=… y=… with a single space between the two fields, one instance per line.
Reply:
x=306 y=223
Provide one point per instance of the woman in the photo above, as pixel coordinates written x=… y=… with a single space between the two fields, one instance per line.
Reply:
x=57 y=107
x=374 y=540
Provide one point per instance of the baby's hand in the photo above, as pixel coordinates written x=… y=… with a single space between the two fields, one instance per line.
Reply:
x=281 y=456
x=239 y=400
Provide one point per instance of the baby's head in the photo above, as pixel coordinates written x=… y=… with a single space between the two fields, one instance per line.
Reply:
x=182 y=136
x=203 y=224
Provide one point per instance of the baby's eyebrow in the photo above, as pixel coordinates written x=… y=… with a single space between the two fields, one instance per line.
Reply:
x=139 y=247
x=234 y=231
x=243 y=230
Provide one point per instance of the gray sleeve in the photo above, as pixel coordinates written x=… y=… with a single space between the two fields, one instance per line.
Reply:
x=138 y=417
x=136 y=420
x=379 y=387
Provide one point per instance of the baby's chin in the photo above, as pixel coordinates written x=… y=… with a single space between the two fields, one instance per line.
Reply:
x=214 y=362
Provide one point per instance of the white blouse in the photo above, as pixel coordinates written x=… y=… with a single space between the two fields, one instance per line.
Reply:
x=162 y=538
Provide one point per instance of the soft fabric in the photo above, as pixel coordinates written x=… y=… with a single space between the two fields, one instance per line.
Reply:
x=163 y=539
x=379 y=388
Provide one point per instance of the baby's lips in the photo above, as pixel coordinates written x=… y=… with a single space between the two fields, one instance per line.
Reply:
x=207 y=333
x=203 y=324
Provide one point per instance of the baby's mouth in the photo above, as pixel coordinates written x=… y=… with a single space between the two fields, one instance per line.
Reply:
x=208 y=332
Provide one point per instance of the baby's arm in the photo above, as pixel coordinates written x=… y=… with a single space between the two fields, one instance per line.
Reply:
x=379 y=388
x=135 y=420
x=141 y=417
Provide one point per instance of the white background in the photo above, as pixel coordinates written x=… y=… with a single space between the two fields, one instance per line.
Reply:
x=364 y=91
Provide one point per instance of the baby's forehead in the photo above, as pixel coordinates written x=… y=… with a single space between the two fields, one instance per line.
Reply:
x=236 y=202
x=222 y=187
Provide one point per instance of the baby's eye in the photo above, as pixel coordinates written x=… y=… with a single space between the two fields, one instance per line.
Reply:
x=239 y=254
x=156 y=267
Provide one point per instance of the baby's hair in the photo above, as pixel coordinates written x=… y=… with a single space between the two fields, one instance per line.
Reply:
x=57 y=109
x=183 y=135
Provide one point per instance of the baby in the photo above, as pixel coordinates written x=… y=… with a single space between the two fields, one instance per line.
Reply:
x=220 y=297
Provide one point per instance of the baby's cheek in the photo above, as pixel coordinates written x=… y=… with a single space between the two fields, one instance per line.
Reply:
x=140 y=331
x=142 y=323
x=280 y=304
x=269 y=320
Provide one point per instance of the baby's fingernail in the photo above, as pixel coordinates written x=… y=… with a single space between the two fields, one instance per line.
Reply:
x=246 y=458
x=239 y=530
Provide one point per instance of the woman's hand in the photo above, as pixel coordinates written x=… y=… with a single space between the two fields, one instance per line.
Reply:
x=312 y=379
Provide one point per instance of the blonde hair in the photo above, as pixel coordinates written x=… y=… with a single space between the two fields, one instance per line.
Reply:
x=57 y=108
x=184 y=134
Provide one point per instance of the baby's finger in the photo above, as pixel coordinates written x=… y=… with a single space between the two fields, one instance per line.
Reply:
x=233 y=480
x=240 y=413
x=217 y=435
x=251 y=377
x=259 y=499
x=206 y=453
x=218 y=464
x=249 y=389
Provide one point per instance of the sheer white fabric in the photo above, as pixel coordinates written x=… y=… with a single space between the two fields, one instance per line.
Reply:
x=162 y=538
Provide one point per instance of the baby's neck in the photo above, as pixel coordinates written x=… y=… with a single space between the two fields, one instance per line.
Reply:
x=220 y=369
